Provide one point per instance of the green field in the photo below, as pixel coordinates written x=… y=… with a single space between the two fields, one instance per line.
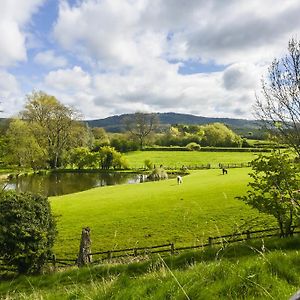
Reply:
x=155 y=212
x=176 y=159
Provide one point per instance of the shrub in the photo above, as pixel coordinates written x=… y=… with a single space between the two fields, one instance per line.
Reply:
x=148 y=164
x=158 y=174
x=193 y=146
x=27 y=231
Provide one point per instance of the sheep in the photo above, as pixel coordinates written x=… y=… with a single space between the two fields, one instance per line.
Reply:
x=179 y=179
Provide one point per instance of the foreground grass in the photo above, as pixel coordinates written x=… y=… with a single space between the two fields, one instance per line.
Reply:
x=178 y=158
x=154 y=213
x=259 y=270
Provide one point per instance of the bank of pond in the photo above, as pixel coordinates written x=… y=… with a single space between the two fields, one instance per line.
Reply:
x=68 y=182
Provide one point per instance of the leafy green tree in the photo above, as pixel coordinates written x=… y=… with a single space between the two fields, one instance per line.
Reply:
x=108 y=157
x=274 y=189
x=53 y=125
x=100 y=138
x=82 y=157
x=23 y=149
x=123 y=142
x=218 y=134
x=27 y=231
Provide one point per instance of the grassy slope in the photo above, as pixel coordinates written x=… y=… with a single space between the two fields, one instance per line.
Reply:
x=178 y=158
x=154 y=213
x=241 y=271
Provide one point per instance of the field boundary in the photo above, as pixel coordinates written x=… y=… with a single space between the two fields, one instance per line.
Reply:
x=109 y=255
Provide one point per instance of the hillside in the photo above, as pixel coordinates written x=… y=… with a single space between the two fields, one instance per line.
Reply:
x=115 y=123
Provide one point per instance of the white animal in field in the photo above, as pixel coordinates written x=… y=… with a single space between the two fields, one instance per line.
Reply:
x=179 y=179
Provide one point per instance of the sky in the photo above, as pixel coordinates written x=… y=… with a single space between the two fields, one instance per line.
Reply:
x=109 y=57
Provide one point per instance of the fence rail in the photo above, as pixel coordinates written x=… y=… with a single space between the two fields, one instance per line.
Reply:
x=165 y=248
x=202 y=166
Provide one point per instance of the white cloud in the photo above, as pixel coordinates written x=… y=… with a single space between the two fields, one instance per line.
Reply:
x=9 y=94
x=126 y=48
x=50 y=60
x=14 y=15
x=71 y=80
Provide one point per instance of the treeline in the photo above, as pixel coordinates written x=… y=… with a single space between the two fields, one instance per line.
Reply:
x=48 y=134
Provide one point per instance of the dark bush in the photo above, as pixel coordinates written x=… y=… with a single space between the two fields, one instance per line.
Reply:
x=27 y=231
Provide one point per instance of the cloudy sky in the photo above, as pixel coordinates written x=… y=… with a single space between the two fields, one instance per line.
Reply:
x=105 y=57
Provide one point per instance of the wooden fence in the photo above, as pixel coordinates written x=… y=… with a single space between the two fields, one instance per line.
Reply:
x=108 y=255
x=203 y=166
x=170 y=248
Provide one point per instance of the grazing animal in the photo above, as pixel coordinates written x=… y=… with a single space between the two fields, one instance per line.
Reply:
x=179 y=180
x=224 y=171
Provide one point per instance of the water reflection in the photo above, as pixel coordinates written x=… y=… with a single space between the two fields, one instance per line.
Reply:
x=55 y=184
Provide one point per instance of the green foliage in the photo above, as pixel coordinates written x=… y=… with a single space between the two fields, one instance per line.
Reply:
x=217 y=134
x=148 y=164
x=53 y=126
x=158 y=174
x=27 y=231
x=108 y=157
x=105 y=158
x=23 y=148
x=274 y=189
x=82 y=157
x=123 y=143
x=193 y=146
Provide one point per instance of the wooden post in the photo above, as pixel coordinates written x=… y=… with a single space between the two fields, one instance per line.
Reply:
x=248 y=235
x=172 y=248
x=210 y=241
x=84 y=256
x=54 y=261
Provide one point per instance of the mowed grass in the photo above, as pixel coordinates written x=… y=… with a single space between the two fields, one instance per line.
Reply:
x=154 y=213
x=178 y=158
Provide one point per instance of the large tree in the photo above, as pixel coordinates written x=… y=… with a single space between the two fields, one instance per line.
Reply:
x=53 y=124
x=278 y=106
x=141 y=125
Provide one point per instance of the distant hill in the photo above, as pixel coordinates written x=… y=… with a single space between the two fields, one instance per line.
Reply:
x=115 y=123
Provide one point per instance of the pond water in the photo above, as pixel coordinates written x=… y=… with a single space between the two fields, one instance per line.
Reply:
x=54 y=184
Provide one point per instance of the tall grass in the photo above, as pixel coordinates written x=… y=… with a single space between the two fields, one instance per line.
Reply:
x=258 y=270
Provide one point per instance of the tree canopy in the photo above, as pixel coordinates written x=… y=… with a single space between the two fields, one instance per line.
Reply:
x=54 y=126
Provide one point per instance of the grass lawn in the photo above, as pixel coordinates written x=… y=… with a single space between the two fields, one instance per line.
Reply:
x=172 y=158
x=155 y=212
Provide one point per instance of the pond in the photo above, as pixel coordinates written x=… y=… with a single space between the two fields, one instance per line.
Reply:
x=55 y=184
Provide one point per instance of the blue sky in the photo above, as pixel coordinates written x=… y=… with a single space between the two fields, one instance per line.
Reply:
x=106 y=57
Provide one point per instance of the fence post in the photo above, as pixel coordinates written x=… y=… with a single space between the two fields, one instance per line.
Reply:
x=210 y=241
x=84 y=256
x=54 y=261
x=248 y=235
x=172 y=248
